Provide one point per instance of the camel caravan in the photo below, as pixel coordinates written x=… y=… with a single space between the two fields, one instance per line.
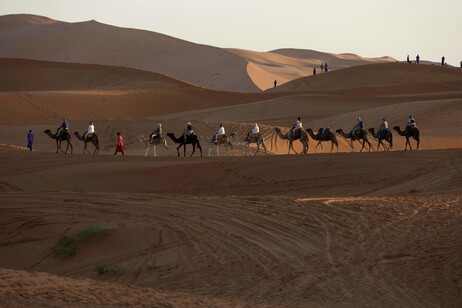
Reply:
x=383 y=135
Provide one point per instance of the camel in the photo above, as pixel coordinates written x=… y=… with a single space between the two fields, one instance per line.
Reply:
x=59 y=139
x=291 y=138
x=362 y=134
x=259 y=140
x=159 y=141
x=412 y=132
x=328 y=136
x=192 y=139
x=223 y=141
x=388 y=137
x=93 y=139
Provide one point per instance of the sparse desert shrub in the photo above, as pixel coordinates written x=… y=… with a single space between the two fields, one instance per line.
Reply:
x=103 y=269
x=67 y=245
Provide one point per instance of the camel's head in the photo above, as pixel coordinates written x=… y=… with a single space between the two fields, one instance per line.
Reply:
x=338 y=131
x=47 y=131
x=396 y=128
x=277 y=129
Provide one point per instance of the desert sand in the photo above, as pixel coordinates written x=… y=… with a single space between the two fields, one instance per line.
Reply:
x=323 y=229
x=202 y=65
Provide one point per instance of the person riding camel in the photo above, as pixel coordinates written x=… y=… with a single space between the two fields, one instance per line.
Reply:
x=383 y=128
x=64 y=126
x=156 y=134
x=255 y=130
x=220 y=132
x=410 y=123
x=358 y=128
x=188 y=131
x=90 y=130
x=298 y=126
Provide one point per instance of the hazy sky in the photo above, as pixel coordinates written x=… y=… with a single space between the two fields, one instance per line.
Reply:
x=367 y=27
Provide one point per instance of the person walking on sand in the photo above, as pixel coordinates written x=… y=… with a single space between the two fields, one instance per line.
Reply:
x=275 y=83
x=461 y=64
x=120 y=145
x=30 y=140
x=417 y=59
x=442 y=61
x=408 y=59
x=325 y=67
x=314 y=71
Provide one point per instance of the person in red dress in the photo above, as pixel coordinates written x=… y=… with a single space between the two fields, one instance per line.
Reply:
x=120 y=145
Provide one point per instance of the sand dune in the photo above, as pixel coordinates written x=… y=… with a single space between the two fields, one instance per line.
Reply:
x=40 y=38
x=31 y=75
x=202 y=65
x=425 y=78
x=43 y=92
x=288 y=64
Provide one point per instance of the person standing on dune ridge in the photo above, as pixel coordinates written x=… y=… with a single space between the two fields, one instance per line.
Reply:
x=314 y=71
x=275 y=83
x=417 y=59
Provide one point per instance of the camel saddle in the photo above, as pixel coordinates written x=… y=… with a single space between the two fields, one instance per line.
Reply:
x=254 y=135
x=157 y=137
x=89 y=136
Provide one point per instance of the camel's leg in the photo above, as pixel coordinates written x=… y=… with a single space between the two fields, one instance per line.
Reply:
x=155 y=150
x=56 y=146
x=264 y=146
x=147 y=150
x=370 y=146
x=332 y=147
x=67 y=146
x=178 y=148
x=218 y=150
x=364 y=142
x=166 y=147
x=418 y=142
x=258 y=149
x=194 y=149
x=352 y=146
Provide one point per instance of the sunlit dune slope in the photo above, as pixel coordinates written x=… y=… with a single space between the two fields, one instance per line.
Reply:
x=390 y=74
x=284 y=65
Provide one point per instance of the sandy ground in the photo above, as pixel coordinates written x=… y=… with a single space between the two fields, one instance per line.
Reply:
x=340 y=229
